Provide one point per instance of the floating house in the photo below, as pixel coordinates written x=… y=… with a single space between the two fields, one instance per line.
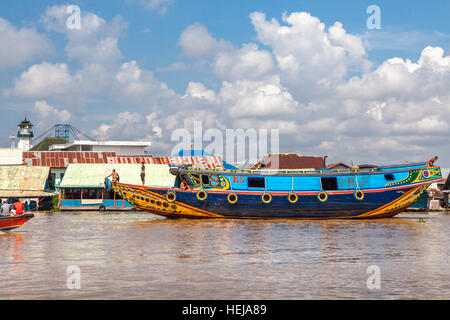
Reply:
x=59 y=161
x=83 y=186
x=30 y=184
x=440 y=191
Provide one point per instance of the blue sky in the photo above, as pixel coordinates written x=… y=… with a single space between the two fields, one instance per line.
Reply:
x=149 y=37
x=152 y=37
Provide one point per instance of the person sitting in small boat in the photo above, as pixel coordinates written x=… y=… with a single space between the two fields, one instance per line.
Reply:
x=115 y=176
x=431 y=161
x=18 y=207
x=5 y=209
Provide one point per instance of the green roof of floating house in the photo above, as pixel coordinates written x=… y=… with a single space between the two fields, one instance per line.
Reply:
x=80 y=175
x=24 y=181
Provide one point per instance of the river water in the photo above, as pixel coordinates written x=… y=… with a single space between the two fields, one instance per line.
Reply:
x=137 y=255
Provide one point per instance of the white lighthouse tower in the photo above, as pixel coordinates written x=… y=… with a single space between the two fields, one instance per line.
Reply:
x=25 y=135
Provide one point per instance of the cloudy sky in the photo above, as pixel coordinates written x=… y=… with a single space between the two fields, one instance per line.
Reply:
x=140 y=69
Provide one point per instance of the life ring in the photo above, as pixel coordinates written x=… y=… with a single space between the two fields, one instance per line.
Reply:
x=266 y=197
x=359 y=195
x=202 y=195
x=232 y=198
x=322 y=196
x=171 y=196
x=292 y=197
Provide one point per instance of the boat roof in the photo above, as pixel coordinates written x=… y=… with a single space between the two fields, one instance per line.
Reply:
x=288 y=161
x=93 y=175
x=324 y=171
x=17 y=181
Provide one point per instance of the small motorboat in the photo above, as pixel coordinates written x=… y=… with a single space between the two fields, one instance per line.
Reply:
x=12 y=222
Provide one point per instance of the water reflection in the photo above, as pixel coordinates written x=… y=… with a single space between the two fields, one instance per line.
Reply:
x=142 y=256
x=11 y=243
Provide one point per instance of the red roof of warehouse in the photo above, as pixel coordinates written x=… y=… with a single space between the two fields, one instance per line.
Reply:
x=209 y=162
x=61 y=159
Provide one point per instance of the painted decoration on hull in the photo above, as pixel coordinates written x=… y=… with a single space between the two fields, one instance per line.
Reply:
x=213 y=180
x=154 y=202
x=418 y=176
x=147 y=200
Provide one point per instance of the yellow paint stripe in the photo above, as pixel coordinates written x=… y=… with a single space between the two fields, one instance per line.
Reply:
x=401 y=202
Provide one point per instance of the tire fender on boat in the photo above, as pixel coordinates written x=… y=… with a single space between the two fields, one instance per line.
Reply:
x=202 y=194
x=292 y=197
x=232 y=198
x=171 y=196
x=358 y=194
x=322 y=196
x=266 y=197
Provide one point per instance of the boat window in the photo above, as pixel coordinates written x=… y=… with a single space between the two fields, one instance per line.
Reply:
x=389 y=177
x=256 y=183
x=205 y=179
x=92 y=193
x=195 y=178
x=177 y=181
x=329 y=183
x=180 y=178
x=72 y=194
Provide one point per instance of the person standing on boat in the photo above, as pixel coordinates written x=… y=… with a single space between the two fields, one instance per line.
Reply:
x=431 y=161
x=18 y=207
x=115 y=176
x=143 y=172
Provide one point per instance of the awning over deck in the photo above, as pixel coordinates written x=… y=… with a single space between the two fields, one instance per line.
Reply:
x=93 y=175
x=23 y=181
x=25 y=194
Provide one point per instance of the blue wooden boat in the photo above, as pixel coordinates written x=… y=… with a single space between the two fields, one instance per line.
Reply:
x=377 y=192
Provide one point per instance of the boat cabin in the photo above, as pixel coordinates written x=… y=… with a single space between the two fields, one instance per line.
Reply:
x=294 y=180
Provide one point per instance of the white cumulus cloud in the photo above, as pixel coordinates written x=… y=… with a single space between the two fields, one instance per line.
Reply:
x=18 y=46
x=48 y=114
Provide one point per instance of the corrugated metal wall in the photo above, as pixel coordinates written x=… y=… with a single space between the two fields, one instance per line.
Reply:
x=61 y=159
x=210 y=162
x=23 y=178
